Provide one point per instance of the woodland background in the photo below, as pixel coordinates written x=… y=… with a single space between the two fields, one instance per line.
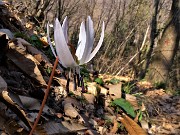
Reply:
x=131 y=86
x=133 y=30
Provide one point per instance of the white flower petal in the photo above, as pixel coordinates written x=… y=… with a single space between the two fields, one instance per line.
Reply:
x=89 y=40
x=81 y=42
x=51 y=46
x=62 y=49
x=98 y=45
x=65 y=28
x=49 y=41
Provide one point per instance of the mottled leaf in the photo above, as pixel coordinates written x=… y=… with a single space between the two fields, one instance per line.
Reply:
x=124 y=104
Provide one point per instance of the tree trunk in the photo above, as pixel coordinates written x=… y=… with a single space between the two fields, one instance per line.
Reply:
x=164 y=53
x=152 y=38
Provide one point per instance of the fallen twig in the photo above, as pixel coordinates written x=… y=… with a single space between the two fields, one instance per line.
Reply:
x=45 y=97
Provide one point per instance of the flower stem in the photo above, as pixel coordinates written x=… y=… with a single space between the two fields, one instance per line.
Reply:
x=75 y=84
x=82 y=86
x=67 y=85
x=78 y=79
x=45 y=97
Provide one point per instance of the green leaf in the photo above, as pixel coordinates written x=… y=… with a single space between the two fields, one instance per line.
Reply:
x=84 y=72
x=99 y=81
x=34 y=37
x=140 y=116
x=114 y=81
x=35 y=41
x=124 y=104
x=128 y=87
x=49 y=70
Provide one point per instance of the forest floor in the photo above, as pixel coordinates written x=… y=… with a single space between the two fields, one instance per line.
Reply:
x=110 y=105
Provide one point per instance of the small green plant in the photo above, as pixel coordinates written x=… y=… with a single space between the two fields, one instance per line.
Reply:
x=49 y=70
x=175 y=92
x=21 y=35
x=140 y=116
x=84 y=72
x=108 y=121
x=71 y=94
x=81 y=99
x=121 y=126
x=127 y=87
x=35 y=41
x=99 y=81
x=114 y=81
x=121 y=103
x=159 y=85
x=49 y=53
x=139 y=94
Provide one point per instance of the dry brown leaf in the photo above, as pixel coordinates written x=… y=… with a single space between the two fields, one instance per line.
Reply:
x=92 y=88
x=89 y=97
x=29 y=26
x=55 y=128
x=72 y=113
x=26 y=62
x=103 y=90
x=33 y=104
x=39 y=56
x=144 y=125
x=32 y=50
x=102 y=130
x=88 y=132
x=73 y=126
x=142 y=108
x=144 y=84
x=64 y=128
x=4 y=97
x=133 y=101
x=70 y=110
x=3 y=84
x=63 y=82
x=137 y=116
x=115 y=90
x=115 y=127
x=22 y=42
x=44 y=41
x=156 y=92
x=96 y=89
x=9 y=126
x=106 y=77
x=40 y=130
x=131 y=126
